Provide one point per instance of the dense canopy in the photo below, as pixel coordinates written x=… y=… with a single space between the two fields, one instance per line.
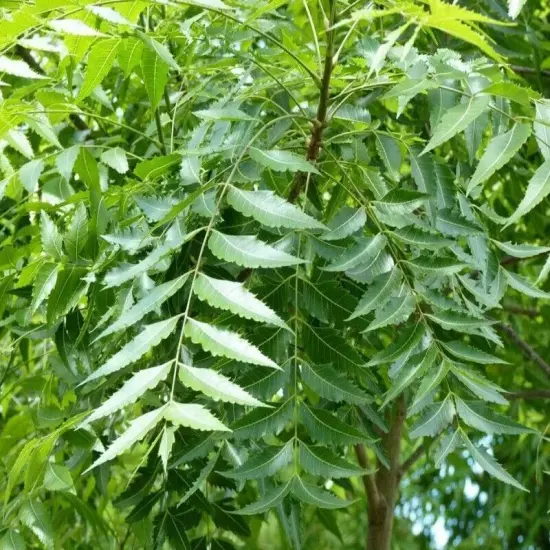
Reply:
x=275 y=274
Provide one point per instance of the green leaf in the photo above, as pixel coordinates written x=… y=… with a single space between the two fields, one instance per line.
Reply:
x=152 y=300
x=468 y=353
x=402 y=346
x=378 y=293
x=489 y=464
x=436 y=266
x=73 y=27
x=58 y=478
x=430 y=382
x=236 y=298
x=100 y=60
x=499 y=151
x=456 y=120
x=65 y=161
x=165 y=446
x=229 y=112
x=332 y=385
x=131 y=391
x=19 y=68
x=193 y=416
x=325 y=427
x=390 y=153
x=66 y=293
x=130 y=51
x=434 y=419
x=525 y=286
x=156 y=167
x=395 y=312
x=362 y=251
x=159 y=49
x=34 y=515
x=282 y=161
x=149 y=337
x=326 y=344
x=266 y=463
x=400 y=201
x=116 y=159
x=537 y=189
x=136 y=431
x=12 y=540
x=311 y=494
x=541 y=127
x=448 y=444
x=346 y=222
x=452 y=320
x=270 y=210
x=127 y=272
x=109 y=14
x=479 y=386
x=52 y=242
x=77 y=233
x=522 y=250
x=512 y=91
x=452 y=224
x=216 y=386
x=43 y=284
x=221 y=342
x=262 y=421
x=248 y=251
x=415 y=367
x=174 y=523
x=415 y=236
x=268 y=500
x=321 y=461
x=477 y=415
x=30 y=173
x=155 y=76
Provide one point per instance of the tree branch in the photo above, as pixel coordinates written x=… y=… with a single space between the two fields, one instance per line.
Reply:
x=530 y=312
x=369 y=481
x=528 y=394
x=319 y=123
x=413 y=457
x=527 y=350
x=519 y=69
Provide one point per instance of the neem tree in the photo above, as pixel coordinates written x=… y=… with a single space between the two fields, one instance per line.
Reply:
x=250 y=256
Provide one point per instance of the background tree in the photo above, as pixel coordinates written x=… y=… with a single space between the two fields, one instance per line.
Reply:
x=273 y=274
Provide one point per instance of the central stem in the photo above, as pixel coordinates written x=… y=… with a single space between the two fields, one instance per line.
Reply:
x=319 y=122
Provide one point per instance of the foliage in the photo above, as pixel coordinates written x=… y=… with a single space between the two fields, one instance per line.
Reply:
x=251 y=253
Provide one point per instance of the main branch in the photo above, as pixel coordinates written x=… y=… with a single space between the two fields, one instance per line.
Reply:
x=320 y=121
x=527 y=350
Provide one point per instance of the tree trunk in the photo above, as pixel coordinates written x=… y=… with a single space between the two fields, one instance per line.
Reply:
x=382 y=490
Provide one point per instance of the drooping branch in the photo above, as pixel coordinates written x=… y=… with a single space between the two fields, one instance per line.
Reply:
x=527 y=350
x=320 y=121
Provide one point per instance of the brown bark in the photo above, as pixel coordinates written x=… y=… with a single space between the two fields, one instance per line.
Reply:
x=382 y=488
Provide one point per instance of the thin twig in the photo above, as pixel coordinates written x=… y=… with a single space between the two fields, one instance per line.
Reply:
x=528 y=394
x=320 y=120
x=527 y=350
x=529 y=312
x=529 y=70
x=414 y=456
